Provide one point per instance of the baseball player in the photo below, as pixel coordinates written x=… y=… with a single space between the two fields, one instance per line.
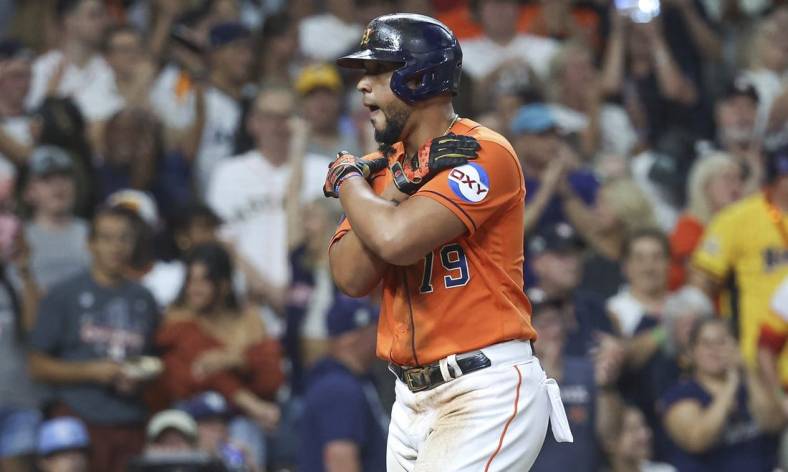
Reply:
x=436 y=218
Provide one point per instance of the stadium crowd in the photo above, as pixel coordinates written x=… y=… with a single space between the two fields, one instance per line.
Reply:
x=165 y=295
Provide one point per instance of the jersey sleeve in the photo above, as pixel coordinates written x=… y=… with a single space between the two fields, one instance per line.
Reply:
x=479 y=189
x=342 y=229
x=715 y=253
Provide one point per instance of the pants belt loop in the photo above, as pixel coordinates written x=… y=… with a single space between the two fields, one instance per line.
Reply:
x=455 y=367
x=444 y=367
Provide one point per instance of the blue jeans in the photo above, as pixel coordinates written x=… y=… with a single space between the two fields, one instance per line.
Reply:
x=18 y=428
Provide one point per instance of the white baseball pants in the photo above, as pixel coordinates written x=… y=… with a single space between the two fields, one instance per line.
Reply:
x=493 y=419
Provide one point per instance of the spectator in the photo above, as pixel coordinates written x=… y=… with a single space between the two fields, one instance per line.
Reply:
x=630 y=448
x=19 y=396
x=278 y=50
x=320 y=88
x=344 y=426
x=171 y=431
x=683 y=309
x=88 y=329
x=621 y=208
x=714 y=183
x=218 y=435
x=229 y=61
x=748 y=240
x=56 y=238
x=62 y=125
x=76 y=62
x=248 y=191
x=63 y=445
x=501 y=44
x=644 y=260
x=717 y=420
x=194 y=225
x=311 y=292
x=562 y=20
x=210 y=341
x=135 y=158
x=558 y=190
x=557 y=260
x=16 y=137
x=579 y=106
x=163 y=279
x=134 y=72
x=735 y=119
x=768 y=62
x=660 y=97
x=587 y=391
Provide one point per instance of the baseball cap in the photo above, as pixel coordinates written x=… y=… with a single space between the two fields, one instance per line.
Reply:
x=533 y=119
x=206 y=405
x=171 y=419
x=318 y=76
x=13 y=49
x=226 y=33
x=740 y=86
x=350 y=314
x=139 y=202
x=61 y=434
x=49 y=160
x=558 y=237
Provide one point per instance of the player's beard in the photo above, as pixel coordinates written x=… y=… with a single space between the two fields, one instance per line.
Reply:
x=395 y=123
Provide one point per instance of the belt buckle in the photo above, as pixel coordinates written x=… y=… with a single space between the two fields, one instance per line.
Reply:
x=416 y=375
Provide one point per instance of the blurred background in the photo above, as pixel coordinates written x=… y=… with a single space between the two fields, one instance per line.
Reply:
x=165 y=300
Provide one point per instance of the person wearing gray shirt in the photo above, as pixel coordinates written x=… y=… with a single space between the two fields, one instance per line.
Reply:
x=87 y=331
x=56 y=238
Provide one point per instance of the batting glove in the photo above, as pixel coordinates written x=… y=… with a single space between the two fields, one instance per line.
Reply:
x=444 y=152
x=347 y=165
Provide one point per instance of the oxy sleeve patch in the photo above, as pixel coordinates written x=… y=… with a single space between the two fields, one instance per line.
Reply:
x=470 y=182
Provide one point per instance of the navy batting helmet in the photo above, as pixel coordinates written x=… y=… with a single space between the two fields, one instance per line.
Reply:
x=423 y=48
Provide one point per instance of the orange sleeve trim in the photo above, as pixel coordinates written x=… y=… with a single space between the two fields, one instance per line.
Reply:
x=508 y=422
x=772 y=340
x=337 y=237
x=452 y=206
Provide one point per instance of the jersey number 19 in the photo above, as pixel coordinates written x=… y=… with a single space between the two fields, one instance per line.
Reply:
x=453 y=260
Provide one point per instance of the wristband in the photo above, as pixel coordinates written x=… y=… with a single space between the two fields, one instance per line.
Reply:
x=345 y=177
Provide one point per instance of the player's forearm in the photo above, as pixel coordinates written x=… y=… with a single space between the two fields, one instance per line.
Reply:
x=355 y=269
x=378 y=225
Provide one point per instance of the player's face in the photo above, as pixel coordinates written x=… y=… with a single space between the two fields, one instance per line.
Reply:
x=388 y=113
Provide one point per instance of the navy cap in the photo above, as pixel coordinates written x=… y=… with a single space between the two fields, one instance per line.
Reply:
x=559 y=237
x=48 y=160
x=206 y=405
x=226 y=33
x=13 y=49
x=61 y=434
x=741 y=86
x=350 y=314
x=533 y=119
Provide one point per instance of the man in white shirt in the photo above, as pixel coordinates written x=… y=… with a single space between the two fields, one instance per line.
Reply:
x=501 y=44
x=229 y=59
x=68 y=70
x=15 y=136
x=248 y=191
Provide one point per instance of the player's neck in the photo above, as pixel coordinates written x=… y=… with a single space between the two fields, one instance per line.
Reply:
x=432 y=121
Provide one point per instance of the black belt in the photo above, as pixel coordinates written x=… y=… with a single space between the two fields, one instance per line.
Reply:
x=427 y=377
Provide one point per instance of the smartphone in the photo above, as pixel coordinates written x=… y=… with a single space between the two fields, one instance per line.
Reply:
x=639 y=11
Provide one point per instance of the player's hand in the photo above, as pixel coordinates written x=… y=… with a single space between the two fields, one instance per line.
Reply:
x=444 y=152
x=347 y=165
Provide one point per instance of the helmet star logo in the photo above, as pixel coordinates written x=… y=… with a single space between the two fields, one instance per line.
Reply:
x=365 y=37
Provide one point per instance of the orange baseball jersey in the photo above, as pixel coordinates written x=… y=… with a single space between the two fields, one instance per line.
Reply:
x=468 y=293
